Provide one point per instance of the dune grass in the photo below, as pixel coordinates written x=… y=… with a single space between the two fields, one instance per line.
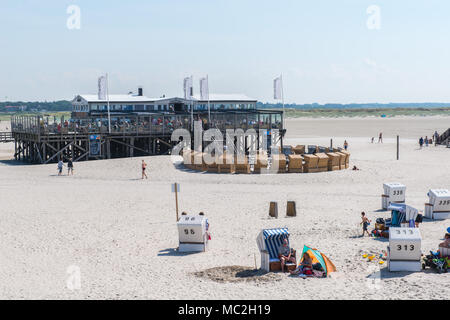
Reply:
x=6 y=116
x=340 y=113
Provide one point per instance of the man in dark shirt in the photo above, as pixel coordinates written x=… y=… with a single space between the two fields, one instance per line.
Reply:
x=285 y=254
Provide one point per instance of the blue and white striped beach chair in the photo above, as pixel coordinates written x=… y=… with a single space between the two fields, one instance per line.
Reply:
x=269 y=241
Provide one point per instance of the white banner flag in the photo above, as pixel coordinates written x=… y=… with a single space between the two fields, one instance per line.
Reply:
x=102 y=88
x=278 y=88
x=188 y=87
x=204 y=89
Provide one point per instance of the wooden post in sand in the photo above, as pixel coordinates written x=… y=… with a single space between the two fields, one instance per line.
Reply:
x=175 y=188
x=398 y=147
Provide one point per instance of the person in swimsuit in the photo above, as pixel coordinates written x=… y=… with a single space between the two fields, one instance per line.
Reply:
x=144 y=166
x=365 y=223
x=305 y=266
x=70 y=167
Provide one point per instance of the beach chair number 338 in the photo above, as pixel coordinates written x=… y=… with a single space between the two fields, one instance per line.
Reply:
x=186 y=231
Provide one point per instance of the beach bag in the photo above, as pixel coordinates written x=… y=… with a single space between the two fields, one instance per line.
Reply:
x=318 y=267
x=419 y=218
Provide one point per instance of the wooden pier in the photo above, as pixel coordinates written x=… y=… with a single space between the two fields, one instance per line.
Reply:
x=42 y=140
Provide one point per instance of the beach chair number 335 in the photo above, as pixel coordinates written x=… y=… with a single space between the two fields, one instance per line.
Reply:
x=186 y=231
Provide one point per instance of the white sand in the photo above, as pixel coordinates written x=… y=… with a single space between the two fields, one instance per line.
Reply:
x=114 y=226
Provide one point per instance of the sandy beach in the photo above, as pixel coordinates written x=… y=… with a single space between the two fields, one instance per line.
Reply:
x=121 y=231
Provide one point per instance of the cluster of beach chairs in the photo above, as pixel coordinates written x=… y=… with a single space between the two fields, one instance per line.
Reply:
x=299 y=159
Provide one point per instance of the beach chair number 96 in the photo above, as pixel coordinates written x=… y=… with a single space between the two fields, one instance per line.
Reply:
x=186 y=231
x=411 y=247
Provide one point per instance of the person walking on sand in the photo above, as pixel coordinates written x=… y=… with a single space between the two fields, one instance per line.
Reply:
x=421 y=142
x=380 y=137
x=144 y=167
x=345 y=145
x=60 y=167
x=373 y=139
x=365 y=223
x=426 y=141
x=70 y=167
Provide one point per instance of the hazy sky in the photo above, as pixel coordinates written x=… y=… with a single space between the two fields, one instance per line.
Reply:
x=325 y=49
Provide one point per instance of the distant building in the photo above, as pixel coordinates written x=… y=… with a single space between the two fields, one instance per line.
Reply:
x=15 y=108
x=84 y=105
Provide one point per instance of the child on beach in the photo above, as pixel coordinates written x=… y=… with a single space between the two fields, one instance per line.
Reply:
x=60 y=167
x=365 y=223
x=70 y=167
x=345 y=145
x=144 y=167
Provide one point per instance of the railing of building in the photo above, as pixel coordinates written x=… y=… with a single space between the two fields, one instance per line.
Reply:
x=6 y=137
x=145 y=124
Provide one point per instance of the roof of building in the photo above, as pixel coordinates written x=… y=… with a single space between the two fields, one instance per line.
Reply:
x=117 y=98
x=227 y=97
x=92 y=98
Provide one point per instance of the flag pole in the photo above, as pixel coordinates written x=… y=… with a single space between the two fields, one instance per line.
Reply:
x=107 y=99
x=209 y=106
x=282 y=98
x=191 y=93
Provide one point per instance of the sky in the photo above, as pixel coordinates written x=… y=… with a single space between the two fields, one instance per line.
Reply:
x=328 y=51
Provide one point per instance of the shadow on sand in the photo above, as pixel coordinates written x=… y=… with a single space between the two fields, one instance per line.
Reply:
x=13 y=162
x=171 y=252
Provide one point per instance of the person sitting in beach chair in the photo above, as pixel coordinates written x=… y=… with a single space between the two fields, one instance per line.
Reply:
x=446 y=243
x=285 y=254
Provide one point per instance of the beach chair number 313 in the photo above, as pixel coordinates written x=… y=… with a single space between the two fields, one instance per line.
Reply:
x=411 y=247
